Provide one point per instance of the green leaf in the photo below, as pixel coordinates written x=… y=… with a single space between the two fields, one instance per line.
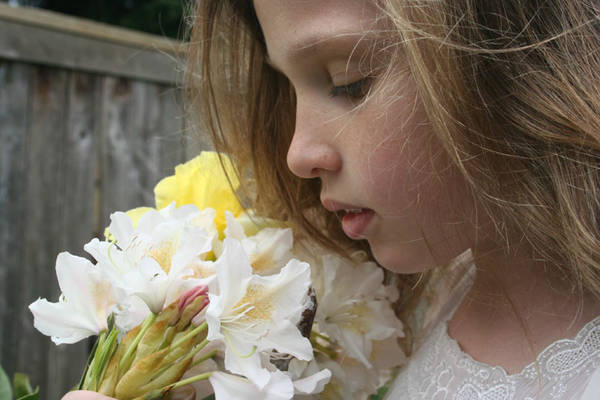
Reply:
x=21 y=385
x=380 y=393
x=87 y=365
x=104 y=355
x=5 y=387
x=31 y=396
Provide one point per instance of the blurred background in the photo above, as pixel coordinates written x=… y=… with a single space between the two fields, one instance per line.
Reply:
x=160 y=17
x=91 y=118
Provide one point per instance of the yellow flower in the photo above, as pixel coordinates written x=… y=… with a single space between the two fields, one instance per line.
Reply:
x=202 y=182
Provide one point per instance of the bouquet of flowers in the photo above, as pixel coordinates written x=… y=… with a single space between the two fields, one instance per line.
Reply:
x=197 y=291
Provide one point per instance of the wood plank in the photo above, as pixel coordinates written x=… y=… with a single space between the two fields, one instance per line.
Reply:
x=122 y=157
x=14 y=114
x=165 y=118
x=38 y=45
x=140 y=136
x=42 y=222
x=78 y=172
x=142 y=142
x=51 y=20
x=149 y=132
x=75 y=147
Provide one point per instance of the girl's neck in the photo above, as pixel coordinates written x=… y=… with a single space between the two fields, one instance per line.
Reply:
x=516 y=308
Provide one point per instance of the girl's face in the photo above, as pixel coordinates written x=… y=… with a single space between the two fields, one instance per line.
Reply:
x=380 y=165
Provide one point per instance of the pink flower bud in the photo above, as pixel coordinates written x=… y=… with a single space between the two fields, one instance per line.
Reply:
x=190 y=295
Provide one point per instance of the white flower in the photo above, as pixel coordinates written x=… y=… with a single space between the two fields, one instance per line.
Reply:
x=226 y=387
x=350 y=380
x=88 y=298
x=268 y=250
x=252 y=313
x=157 y=259
x=109 y=258
x=130 y=313
x=308 y=377
x=353 y=307
x=159 y=234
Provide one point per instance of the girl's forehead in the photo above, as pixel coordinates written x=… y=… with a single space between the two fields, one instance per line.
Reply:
x=295 y=27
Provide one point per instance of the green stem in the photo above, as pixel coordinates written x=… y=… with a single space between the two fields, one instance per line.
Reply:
x=196 y=349
x=106 y=352
x=320 y=336
x=190 y=334
x=90 y=380
x=159 y=393
x=126 y=359
x=84 y=376
x=326 y=350
x=196 y=378
x=110 y=246
x=204 y=358
x=234 y=350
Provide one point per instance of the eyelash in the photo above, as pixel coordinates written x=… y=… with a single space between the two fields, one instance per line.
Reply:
x=355 y=90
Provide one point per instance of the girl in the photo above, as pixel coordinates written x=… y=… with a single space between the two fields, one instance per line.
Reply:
x=456 y=132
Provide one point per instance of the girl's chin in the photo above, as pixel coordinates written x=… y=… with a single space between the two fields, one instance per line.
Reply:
x=406 y=259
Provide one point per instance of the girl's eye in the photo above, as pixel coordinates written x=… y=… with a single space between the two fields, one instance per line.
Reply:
x=355 y=90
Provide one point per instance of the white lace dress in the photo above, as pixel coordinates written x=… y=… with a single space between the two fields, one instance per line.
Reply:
x=568 y=369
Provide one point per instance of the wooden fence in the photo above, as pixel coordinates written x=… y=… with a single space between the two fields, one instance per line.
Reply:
x=90 y=120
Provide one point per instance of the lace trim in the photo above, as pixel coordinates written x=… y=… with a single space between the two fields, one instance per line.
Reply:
x=561 y=358
x=440 y=370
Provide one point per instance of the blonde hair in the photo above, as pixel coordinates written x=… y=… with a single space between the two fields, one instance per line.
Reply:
x=511 y=89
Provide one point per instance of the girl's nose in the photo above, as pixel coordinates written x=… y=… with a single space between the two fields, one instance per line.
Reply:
x=313 y=151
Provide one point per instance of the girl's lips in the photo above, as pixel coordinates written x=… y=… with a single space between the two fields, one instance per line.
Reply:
x=355 y=222
x=355 y=219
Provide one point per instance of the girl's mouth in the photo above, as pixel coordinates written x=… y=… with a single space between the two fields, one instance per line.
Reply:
x=355 y=222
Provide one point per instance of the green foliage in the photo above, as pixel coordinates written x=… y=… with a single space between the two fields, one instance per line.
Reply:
x=21 y=387
x=5 y=389
x=380 y=393
x=33 y=396
x=160 y=17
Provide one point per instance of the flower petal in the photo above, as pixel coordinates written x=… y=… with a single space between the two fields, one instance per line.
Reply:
x=88 y=297
x=314 y=383
x=121 y=227
x=269 y=250
x=87 y=290
x=234 y=228
x=132 y=312
x=233 y=269
x=202 y=182
x=226 y=387
x=243 y=359
x=61 y=322
x=287 y=339
x=148 y=283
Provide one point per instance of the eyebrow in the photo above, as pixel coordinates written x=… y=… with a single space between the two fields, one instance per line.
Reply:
x=324 y=41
